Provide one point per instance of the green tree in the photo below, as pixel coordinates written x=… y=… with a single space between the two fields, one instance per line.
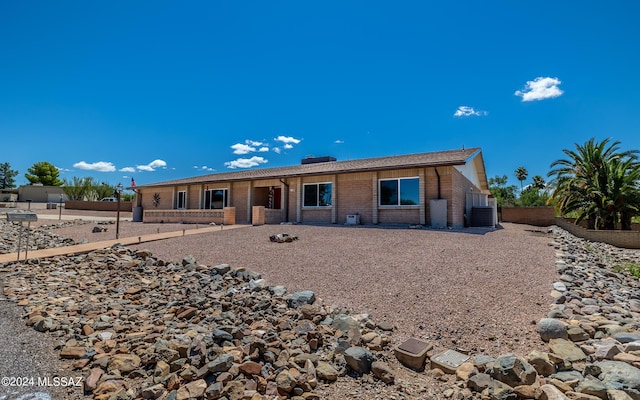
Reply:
x=599 y=183
x=78 y=188
x=521 y=175
x=45 y=173
x=104 y=190
x=504 y=194
x=7 y=176
x=538 y=182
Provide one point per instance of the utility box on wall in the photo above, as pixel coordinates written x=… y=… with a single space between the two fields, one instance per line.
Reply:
x=438 y=213
x=353 y=219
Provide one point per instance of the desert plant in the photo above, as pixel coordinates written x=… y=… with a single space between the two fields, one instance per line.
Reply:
x=599 y=183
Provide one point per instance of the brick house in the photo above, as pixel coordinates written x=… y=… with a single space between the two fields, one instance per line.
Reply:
x=385 y=190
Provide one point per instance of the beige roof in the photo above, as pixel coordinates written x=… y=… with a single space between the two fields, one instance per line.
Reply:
x=440 y=158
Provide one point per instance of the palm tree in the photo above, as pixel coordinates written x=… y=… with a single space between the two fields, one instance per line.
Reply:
x=521 y=175
x=597 y=182
x=537 y=182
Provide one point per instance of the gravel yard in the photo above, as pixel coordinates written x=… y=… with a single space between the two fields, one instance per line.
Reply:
x=481 y=291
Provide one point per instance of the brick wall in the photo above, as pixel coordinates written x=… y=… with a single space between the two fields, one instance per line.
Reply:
x=399 y=215
x=225 y=216
x=355 y=196
x=624 y=239
x=537 y=216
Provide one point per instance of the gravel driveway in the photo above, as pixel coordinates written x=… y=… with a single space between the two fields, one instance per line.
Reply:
x=480 y=291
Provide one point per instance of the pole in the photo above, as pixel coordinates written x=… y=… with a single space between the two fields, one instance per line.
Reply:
x=118 y=194
x=19 y=240
x=26 y=249
x=60 y=209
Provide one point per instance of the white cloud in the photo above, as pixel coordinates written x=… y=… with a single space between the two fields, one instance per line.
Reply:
x=288 y=146
x=127 y=169
x=466 y=111
x=253 y=143
x=263 y=149
x=100 y=166
x=240 y=148
x=287 y=139
x=339 y=141
x=152 y=166
x=277 y=150
x=204 y=168
x=245 y=162
x=540 y=89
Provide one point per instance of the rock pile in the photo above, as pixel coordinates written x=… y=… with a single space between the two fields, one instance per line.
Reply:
x=40 y=237
x=139 y=327
x=593 y=331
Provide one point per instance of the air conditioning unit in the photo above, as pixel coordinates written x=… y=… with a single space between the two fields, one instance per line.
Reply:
x=353 y=219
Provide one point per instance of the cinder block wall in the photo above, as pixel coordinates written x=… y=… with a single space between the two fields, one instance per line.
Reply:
x=355 y=196
x=537 y=216
x=97 y=205
x=624 y=239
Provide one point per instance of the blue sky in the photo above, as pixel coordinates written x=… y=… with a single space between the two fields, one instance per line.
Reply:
x=163 y=90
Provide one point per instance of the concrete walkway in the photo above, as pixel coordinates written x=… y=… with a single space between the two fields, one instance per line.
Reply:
x=89 y=247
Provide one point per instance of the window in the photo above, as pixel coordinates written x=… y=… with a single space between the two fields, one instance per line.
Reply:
x=317 y=195
x=181 y=204
x=215 y=199
x=400 y=192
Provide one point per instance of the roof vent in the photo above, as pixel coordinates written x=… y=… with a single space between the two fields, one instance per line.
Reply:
x=316 y=160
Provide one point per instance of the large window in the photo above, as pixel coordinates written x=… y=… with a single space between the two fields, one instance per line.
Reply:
x=215 y=199
x=317 y=195
x=400 y=192
x=181 y=202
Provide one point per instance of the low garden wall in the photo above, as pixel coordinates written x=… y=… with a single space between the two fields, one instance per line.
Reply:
x=125 y=206
x=537 y=216
x=226 y=216
x=624 y=239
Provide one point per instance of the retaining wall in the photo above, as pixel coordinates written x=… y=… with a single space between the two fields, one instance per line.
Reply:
x=227 y=216
x=624 y=239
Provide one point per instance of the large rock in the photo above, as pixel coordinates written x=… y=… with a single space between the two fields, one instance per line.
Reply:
x=551 y=328
x=513 y=370
x=326 y=371
x=301 y=298
x=550 y=392
x=566 y=349
x=620 y=375
x=222 y=363
x=124 y=362
x=359 y=359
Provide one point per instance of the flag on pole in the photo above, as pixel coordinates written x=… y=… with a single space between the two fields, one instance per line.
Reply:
x=133 y=183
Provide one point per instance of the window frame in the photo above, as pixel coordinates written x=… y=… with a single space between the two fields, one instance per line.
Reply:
x=317 y=202
x=209 y=193
x=399 y=191
x=184 y=199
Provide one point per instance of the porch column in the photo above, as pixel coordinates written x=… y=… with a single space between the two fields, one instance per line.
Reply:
x=299 y=199
x=334 y=199
x=249 y=200
x=374 y=197
x=423 y=208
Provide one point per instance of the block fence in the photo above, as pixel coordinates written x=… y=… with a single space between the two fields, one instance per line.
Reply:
x=624 y=239
x=537 y=216
x=226 y=216
x=125 y=206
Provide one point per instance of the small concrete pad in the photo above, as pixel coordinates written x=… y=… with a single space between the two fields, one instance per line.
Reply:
x=449 y=361
x=413 y=353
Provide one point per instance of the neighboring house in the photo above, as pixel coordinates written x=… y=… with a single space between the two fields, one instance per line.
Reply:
x=385 y=190
x=41 y=194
